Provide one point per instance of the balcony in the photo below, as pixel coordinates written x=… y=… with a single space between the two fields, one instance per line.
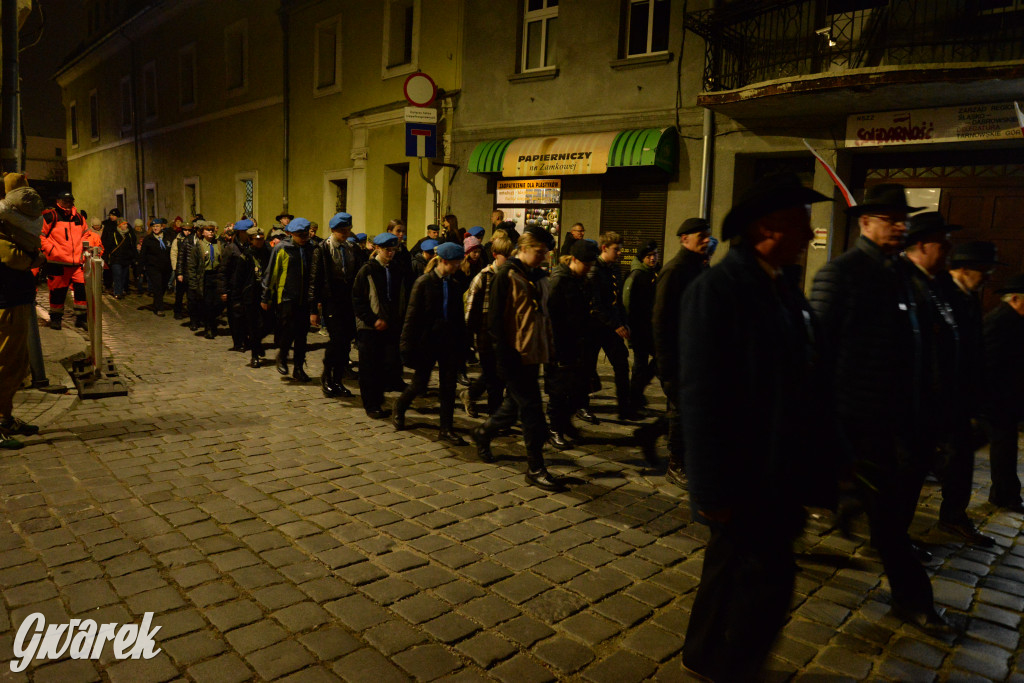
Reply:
x=760 y=48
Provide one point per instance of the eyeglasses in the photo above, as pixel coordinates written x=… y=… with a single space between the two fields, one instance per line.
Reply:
x=888 y=219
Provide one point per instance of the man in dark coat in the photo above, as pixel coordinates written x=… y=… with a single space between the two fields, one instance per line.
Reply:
x=286 y=287
x=181 y=249
x=1004 y=400
x=694 y=238
x=970 y=266
x=120 y=252
x=749 y=383
x=575 y=234
x=434 y=333
x=206 y=278
x=106 y=236
x=330 y=288
x=242 y=275
x=156 y=259
x=608 y=328
x=638 y=300
x=870 y=319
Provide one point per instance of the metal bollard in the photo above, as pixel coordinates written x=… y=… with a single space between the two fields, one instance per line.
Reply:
x=94 y=302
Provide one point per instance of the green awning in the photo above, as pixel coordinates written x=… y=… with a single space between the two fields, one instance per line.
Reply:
x=586 y=153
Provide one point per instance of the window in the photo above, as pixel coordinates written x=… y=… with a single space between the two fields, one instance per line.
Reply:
x=236 y=56
x=187 y=76
x=648 y=27
x=150 y=209
x=149 y=90
x=540 y=33
x=401 y=37
x=94 y=116
x=73 y=122
x=247 y=194
x=58 y=152
x=126 y=103
x=119 y=202
x=191 y=198
x=327 y=57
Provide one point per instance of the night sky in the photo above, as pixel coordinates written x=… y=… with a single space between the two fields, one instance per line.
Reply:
x=63 y=28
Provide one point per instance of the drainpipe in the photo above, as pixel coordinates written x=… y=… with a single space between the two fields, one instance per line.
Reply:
x=707 y=162
x=286 y=94
x=135 y=126
x=9 y=88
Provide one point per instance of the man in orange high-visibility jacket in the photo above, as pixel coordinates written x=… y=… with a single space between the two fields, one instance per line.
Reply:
x=63 y=238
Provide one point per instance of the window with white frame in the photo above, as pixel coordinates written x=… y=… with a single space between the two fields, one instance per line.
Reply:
x=73 y=122
x=401 y=37
x=126 y=102
x=236 y=56
x=191 y=198
x=150 y=208
x=94 y=116
x=187 y=77
x=149 y=97
x=246 y=194
x=540 y=34
x=327 y=56
x=119 y=202
x=647 y=31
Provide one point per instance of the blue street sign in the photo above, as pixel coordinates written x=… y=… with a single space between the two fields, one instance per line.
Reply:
x=421 y=140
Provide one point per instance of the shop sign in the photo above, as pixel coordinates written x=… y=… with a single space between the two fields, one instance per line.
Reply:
x=514 y=192
x=558 y=155
x=921 y=126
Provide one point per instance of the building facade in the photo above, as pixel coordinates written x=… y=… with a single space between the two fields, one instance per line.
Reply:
x=231 y=108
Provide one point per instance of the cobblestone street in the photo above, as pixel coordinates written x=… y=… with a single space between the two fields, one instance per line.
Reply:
x=277 y=534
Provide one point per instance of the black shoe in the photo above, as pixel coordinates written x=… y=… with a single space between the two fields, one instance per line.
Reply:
x=922 y=555
x=397 y=420
x=559 y=441
x=587 y=416
x=966 y=530
x=328 y=388
x=463 y=379
x=299 y=374
x=483 y=444
x=543 y=480
x=378 y=413
x=255 y=363
x=932 y=622
x=1009 y=507
x=677 y=476
x=15 y=427
x=81 y=322
x=340 y=390
x=193 y=327
x=449 y=437
x=54 y=323
x=282 y=365
x=236 y=348
x=179 y=316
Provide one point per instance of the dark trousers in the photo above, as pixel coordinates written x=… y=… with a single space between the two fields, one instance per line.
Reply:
x=157 y=281
x=522 y=400
x=180 y=288
x=246 y=332
x=643 y=372
x=292 y=328
x=341 y=329
x=212 y=304
x=568 y=386
x=447 y=371
x=746 y=585
x=957 y=472
x=668 y=424
x=377 y=351
x=892 y=470
x=236 y=324
x=614 y=347
x=1002 y=454
x=488 y=380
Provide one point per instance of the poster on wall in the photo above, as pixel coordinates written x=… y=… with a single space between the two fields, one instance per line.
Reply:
x=536 y=202
x=940 y=124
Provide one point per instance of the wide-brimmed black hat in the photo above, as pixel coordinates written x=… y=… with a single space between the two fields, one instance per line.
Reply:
x=692 y=225
x=976 y=253
x=924 y=225
x=884 y=197
x=1015 y=285
x=279 y=216
x=771 y=193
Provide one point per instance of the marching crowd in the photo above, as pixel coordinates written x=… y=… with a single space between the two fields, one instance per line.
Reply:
x=846 y=400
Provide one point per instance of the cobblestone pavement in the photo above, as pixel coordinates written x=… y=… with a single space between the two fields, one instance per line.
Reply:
x=280 y=535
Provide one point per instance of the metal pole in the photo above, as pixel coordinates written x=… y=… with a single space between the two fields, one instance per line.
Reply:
x=94 y=303
x=35 y=353
x=9 y=87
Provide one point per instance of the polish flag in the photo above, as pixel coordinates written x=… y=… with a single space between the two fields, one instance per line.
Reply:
x=850 y=201
x=1020 y=117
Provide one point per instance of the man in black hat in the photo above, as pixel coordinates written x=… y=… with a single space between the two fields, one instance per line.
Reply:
x=749 y=381
x=870 y=320
x=970 y=267
x=1004 y=405
x=694 y=238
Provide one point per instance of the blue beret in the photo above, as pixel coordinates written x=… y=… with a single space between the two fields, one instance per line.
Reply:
x=243 y=224
x=341 y=220
x=428 y=245
x=476 y=231
x=360 y=237
x=161 y=221
x=352 y=239
x=450 y=251
x=386 y=239
x=587 y=239
x=297 y=225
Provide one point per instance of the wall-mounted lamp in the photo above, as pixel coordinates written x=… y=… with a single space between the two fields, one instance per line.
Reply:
x=826 y=33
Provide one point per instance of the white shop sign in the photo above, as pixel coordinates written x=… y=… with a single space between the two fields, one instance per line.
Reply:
x=921 y=126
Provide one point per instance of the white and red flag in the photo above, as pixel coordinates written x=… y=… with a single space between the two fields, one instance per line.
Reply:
x=850 y=201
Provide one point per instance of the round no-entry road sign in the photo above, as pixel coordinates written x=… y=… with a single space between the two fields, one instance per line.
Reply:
x=420 y=89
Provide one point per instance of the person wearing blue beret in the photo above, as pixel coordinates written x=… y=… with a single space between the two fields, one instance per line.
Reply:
x=423 y=256
x=330 y=296
x=378 y=299
x=244 y=291
x=432 y=234
x=476 y=231
x=435 y=334
x=286 y=287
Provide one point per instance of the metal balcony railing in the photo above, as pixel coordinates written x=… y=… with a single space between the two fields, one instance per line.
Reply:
x=752 y=41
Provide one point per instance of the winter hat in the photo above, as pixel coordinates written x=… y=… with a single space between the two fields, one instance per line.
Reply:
x=13 y=181
x=139 y=223
x=471 y=243
x=585 y=250
x=645 y=251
